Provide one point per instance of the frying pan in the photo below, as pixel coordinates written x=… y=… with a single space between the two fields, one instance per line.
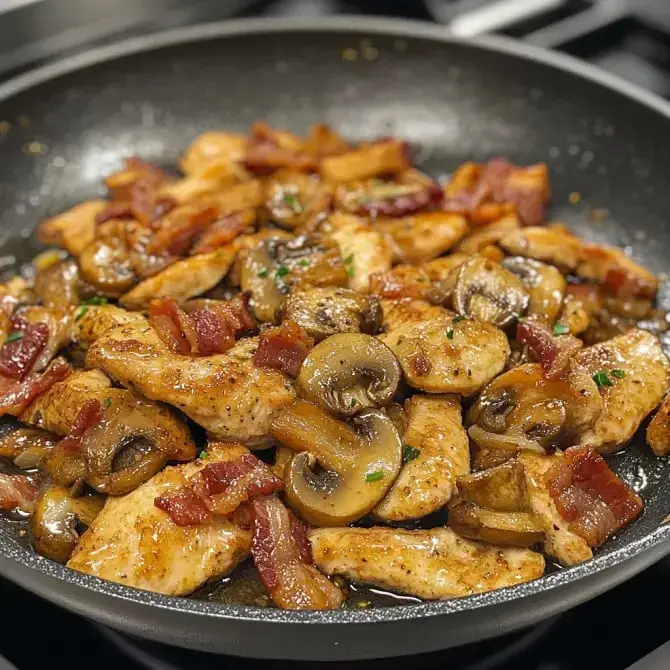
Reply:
x=452 y=99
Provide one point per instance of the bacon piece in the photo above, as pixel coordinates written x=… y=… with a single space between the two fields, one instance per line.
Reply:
x=268 y=150
x=590 y=496
x=18 y=356
x=283 y=348
x=401 y=204
x=89 y=415
x=219 y=489
x=178 y=232
x=206 y=331
x=224 y=231
x=292 y=582
x=17 y=492
x=553 y=352
x=185 y=507
x=16 y=395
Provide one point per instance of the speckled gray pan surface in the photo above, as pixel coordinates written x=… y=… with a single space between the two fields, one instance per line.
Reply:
x=73 y=122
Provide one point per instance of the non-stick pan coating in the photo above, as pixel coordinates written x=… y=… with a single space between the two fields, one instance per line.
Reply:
x=72 y=124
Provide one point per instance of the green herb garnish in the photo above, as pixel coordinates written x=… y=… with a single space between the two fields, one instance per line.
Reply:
x=282 y=271
x=107 y=402
x=410 y=453
x=292 y=201
x=617 y=374
x=304 y=263
x=13 y=337
x=349 y=259
x=450 y=334
x=601 y=379
x=352 y=403
x=560 y=329
x=95 y=300
x=374 y=476
x=263 y=273
x=350 y=270
x=202 y=455
x=457 y=319
x=81 y=313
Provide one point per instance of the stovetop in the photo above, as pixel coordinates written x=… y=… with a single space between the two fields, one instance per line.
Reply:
x=621 y=630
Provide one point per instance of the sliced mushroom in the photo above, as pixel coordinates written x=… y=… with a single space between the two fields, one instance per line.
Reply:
x=27 y=447
x=522 y=409
x=517 y=529
x=484 y=290
x=326 y=311
x=545 y=284
x=57 y=514
x=58 y=284
x=501 y=488
x=358 y=465
x=349 y=372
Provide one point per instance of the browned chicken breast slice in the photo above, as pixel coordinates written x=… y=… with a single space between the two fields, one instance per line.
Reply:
x=73 y=230
x=633 y=373
x=58 y=322
x=364 y=250
x=449 y=355
x=436 y=454
x=182 y=280
x=658 y=430
x=398 y=313
x=92 y=321
x=136 y=544
x=542 y=243
x=482 y=236
x=227 y=394
x=213 y=147
x=429 y=564
x=566 y=547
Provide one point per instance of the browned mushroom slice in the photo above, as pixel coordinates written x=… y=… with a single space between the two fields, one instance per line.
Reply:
x=501 y=488
x=359 y=465
x=57 y=514
x=522 y=409
x=58 y=284
x=322 y=312
x=349 y=372
x=27 y=447
x=483 y=236
x=658 y=430
x=516 y=529
x=545 y=284
x=485 y=290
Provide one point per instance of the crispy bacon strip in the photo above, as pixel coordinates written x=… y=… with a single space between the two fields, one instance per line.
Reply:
x=283 y=348
x=24 y=344
x=16 y=395
x=89 y=415
x=268 y=150
x=178 y=232
x=224 y=231
x=553 y=352
x=219 y=489
x=280 y=556
x=402 y=204
x=590 y=496
x=206 y=331
x=17 y=492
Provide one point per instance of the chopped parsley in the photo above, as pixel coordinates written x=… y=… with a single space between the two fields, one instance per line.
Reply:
x=81 y=313
x=202 y=455
x=410 y=453
x=352 y=403
x=450 y=334
x=13 y=337
x=263 y=273
x=560 y=329
x=363 y=199
x=95 y=300
x=617 y=374
x=292 y=201
x=107 y=402
x=457 y=319
x=374 y=476
x=282 y=271
x=304 y=263
x=602 y=379
x=350 y=270
x=348 y=265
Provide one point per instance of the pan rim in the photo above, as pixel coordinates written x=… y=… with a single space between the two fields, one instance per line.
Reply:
x=11 y=551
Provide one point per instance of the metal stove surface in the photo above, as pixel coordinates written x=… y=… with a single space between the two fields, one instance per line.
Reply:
x=622 y=629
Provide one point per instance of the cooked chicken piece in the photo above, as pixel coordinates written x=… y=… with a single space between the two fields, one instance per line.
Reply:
x=658 y=430
x=429 y=564
x=482 y=236
x=92 y=321
x=550 y=245
x=436 y=454
x=213 y=147
x=215 y=177
x=182 y=280
x=364 y=250
x=398 y=313
x=73 y=230
x=574 y=315
x=403 y=281
x=58 y=322
x=633 y=374
x=13 y=292
x=322 y=312
x=136 y=544
x=566 y=547
x=424 y=236
x=368 y=160
x=227 y=394
x=57 y=284
x=439 y=268
x=449 y=354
